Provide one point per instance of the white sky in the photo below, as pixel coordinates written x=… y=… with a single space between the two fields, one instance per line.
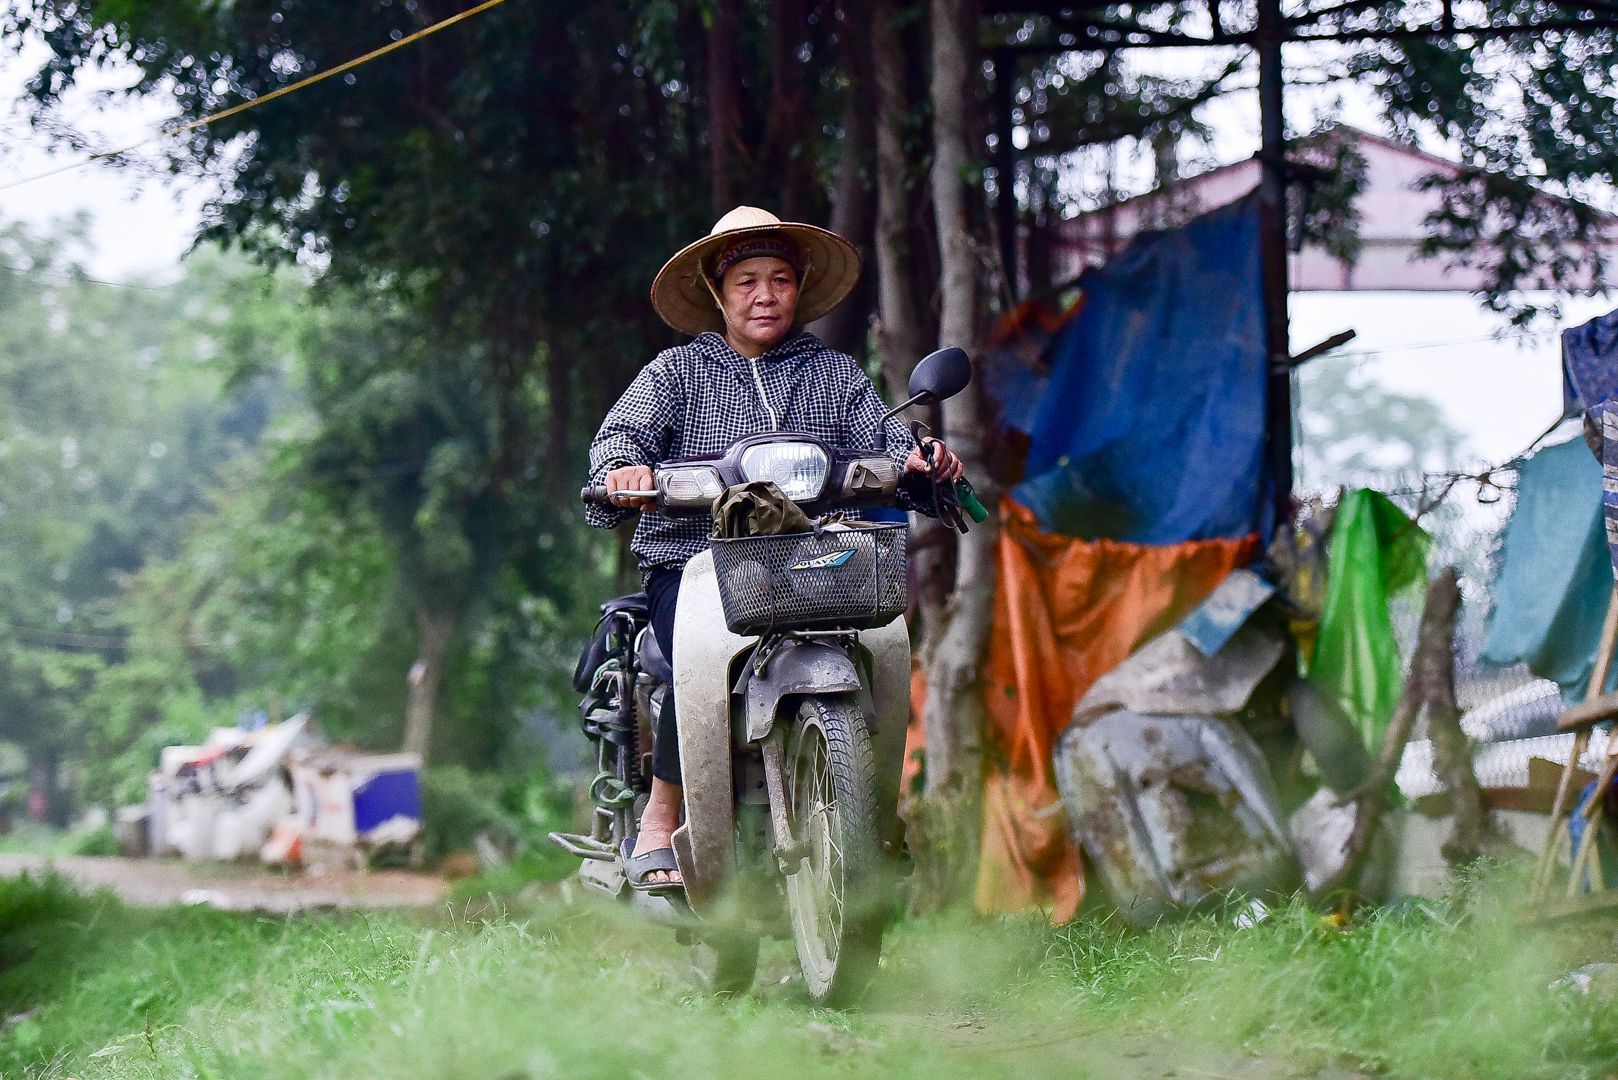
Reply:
x=1501 y=394
x=143 y=219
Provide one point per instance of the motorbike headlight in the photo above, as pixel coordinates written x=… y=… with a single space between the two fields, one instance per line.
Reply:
x=690 y=486
x=798 y=468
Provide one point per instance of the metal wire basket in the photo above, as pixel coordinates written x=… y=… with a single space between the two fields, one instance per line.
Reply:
x=851 y=577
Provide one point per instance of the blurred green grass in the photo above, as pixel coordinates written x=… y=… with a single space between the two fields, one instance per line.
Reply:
x=91 y=988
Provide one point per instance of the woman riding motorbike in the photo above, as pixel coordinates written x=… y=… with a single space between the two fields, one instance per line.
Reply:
x=743 y=292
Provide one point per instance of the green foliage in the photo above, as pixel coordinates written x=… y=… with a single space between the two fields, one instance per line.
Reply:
x=27 y=904
x=515 y=813
x=114 y=422
x=479 y=209
x=100 y=840
x=226 y=496
x=1419 y=989
x=95 y=989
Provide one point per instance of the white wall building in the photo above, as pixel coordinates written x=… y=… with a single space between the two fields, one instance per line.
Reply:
x=1392 y=223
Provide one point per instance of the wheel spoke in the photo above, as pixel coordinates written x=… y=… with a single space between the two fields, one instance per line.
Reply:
x=832 y=821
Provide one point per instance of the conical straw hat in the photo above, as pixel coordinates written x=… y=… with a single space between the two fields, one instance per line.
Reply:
x=830 y=268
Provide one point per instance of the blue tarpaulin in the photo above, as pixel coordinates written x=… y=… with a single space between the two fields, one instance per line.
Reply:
x=1554 y=580
x=1151 y=425
x=1590 y=363
x=1590 y=386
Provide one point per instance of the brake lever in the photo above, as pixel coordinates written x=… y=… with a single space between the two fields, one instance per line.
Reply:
x=946 y=505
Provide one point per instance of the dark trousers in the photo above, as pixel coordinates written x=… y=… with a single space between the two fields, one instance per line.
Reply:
x=663 y=590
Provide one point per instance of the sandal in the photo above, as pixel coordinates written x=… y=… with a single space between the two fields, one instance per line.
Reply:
x=638 y=867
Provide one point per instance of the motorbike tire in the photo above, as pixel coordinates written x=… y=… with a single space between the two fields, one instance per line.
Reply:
x=727 y=963
x=836 y=896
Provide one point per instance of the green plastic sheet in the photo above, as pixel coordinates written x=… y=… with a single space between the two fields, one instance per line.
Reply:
x=1376 y=552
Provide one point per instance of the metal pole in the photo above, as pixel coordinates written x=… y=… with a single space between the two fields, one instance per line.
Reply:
x=1272 y=235
x=1005 y=169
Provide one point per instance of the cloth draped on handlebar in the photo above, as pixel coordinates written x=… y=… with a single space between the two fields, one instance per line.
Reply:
x=695 y=400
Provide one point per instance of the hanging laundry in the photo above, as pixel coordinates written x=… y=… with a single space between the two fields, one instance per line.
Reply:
x=1554 y=578
x=1590 y=363
x=1375 y=553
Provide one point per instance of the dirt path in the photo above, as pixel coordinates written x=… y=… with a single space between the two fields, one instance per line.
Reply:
x=1023 y=1037
x=161 y=882
x=1061 y=1046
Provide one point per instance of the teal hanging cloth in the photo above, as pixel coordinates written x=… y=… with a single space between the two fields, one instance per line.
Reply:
x=1554 y=577
x=1376 y=552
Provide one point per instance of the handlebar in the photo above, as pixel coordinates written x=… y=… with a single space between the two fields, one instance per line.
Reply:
x=969 y=499
x=597 y=493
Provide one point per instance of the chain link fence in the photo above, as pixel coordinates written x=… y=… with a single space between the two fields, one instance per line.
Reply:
x=1509 y=712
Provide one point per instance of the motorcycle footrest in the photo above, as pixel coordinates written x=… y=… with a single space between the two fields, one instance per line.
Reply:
x=585 y=847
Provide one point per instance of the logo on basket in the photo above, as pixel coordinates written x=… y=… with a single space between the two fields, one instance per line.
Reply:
x=829 y=561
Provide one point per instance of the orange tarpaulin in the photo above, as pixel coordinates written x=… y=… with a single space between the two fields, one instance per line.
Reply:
x=1066 y=612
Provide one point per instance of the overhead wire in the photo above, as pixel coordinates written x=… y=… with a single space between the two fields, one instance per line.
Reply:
x=79 y=279
x=253 y=103
x=1485 y=478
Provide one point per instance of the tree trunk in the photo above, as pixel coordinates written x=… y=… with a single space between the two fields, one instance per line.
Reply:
x=902 y=335
x=901 y=331
x=724 y=105
x=48 y=801
x=785 y=161
x=1432 y=667
x=955 y=645
x=436 y=628
x=1452 y=750
x=853 y=210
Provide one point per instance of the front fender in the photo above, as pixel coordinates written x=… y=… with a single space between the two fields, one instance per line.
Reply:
x=704 y=846
x=797 y=667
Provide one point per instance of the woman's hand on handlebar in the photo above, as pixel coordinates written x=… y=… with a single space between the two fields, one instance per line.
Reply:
x=942 y=464
x=632 y=478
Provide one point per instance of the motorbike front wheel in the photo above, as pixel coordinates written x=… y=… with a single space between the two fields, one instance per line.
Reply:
x=836 y=897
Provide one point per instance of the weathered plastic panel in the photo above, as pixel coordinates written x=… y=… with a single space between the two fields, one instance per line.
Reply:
x=1172 y=810
x=1169 y=676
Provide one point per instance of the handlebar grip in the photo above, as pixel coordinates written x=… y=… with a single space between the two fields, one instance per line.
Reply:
x=969 y=501
x=595 y=493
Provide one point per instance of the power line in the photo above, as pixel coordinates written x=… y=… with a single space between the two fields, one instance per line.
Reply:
x=1417 y=346
x=236 y=110
x=80 y=279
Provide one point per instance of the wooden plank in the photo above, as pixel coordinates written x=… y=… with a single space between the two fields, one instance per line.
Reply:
x=1586 y=713
x=1543 y=773
x=1540 y=887
x=1582 y=905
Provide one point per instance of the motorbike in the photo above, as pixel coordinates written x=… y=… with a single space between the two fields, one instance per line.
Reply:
x=792 y=688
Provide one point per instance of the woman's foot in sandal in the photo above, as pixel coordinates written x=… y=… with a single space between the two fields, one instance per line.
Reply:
x=657 y=825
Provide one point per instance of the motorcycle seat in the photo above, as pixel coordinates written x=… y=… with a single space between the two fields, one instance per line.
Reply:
x=652 y=659
x=639 y=610
x=636 y=604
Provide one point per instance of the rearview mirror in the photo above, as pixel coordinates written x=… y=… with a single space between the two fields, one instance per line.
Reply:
x=942 y=374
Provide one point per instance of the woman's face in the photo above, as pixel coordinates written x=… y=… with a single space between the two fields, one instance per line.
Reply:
x=759 y=299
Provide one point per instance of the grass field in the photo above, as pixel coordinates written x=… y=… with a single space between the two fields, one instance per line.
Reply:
x=91 y=988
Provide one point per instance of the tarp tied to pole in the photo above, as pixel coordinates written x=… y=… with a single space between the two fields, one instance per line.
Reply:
x=1150 y=428
x=1376 y=552
x=1147 y=483
x=1067 y=612
x=1554 y=578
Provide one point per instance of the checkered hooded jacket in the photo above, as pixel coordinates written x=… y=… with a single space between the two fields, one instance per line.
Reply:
x=695 y=400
